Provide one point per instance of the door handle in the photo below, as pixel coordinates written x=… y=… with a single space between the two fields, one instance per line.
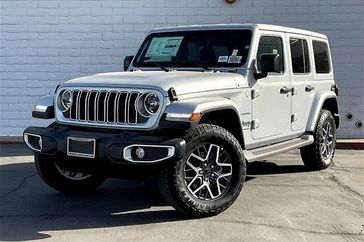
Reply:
x=285 y=90
x=309 y=88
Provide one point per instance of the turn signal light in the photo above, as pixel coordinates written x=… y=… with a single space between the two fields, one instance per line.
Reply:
x=195 y=117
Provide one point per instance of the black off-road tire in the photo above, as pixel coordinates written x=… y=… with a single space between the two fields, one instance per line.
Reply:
x=312 y=155
x=51 y=176
x=173 y=186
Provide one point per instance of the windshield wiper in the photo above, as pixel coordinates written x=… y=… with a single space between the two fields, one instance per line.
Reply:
x=195 y=63
x=198 y=64
x=159 y=65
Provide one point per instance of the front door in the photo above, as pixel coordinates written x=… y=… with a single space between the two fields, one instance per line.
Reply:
x=271 y=104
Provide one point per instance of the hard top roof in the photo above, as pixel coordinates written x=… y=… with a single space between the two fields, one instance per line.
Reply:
x=240 y=26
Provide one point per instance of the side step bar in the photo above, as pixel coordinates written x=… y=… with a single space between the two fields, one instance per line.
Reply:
x=262 y=152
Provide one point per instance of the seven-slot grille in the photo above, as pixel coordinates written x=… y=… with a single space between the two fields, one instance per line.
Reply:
x=105 y=107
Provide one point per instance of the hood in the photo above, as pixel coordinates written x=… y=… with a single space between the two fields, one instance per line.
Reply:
x=184 y=82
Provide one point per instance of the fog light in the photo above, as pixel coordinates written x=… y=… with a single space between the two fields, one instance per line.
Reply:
x=140 y=153
x=40 y=143
x=33 y=141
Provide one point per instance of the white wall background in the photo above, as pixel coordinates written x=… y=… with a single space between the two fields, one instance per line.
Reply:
x=46 y=42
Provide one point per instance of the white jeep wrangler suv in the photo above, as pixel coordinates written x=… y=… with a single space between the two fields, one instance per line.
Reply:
x=192 y=107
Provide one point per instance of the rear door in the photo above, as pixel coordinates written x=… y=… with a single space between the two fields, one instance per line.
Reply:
x=270 y=107
x=303 y=88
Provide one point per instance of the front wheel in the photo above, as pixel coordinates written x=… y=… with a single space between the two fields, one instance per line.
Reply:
x=210 y=176
x=320 y=154
x=64 y=179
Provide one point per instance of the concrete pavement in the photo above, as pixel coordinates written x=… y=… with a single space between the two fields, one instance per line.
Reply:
x=279 y=202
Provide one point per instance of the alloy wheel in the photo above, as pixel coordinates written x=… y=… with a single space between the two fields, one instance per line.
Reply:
x=327 y=141
x=208 y=171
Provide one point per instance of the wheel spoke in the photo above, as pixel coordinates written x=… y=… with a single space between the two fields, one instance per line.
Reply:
x=204 y=147
x=209 y=151
x=327 y=152
x=218 y=186
x=211 y=194
x=224 y=165
x=323 y=149
x=223 y=162
x=193 y=180
x=199 y=188
x=224 y=175
x=197 y=157
x=192 y=166
x=324 y=131
x=217 y=155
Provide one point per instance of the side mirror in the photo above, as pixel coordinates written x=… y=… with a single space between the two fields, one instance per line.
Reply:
x=268 y=63
x=127 y=61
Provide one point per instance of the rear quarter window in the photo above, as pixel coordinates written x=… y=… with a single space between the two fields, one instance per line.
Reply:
x=321 y=56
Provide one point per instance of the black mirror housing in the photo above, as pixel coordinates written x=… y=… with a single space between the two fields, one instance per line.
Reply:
x=127 y=61
x=260 y=75
x=270 y=62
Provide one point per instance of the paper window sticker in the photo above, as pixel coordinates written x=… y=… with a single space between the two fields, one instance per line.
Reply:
x=223 y=58
x=172 y=46
x=275 y=51
x=164 y=46
x=235 y=59
x=235 y=52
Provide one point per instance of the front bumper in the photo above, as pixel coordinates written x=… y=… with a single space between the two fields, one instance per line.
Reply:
x=117 y=147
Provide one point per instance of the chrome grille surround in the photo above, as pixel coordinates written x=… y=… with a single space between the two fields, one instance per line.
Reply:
x=107 y=108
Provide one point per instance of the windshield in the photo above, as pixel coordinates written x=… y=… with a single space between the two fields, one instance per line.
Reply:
x=206 y=48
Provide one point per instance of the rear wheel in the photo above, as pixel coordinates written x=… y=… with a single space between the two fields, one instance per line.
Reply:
x=319 y=155
x=210 y=176
x=65 y=179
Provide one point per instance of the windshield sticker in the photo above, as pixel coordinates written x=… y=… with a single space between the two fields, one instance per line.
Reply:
x=235 y=52
x=235 y=59
x=164 y=46
x=275 y=51
x=223 y=58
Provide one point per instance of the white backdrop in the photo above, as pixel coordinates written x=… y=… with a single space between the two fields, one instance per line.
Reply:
x=45 y=42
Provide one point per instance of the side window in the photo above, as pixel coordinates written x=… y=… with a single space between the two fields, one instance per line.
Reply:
x=321 y=53
x=271 y=45
x=299 y=56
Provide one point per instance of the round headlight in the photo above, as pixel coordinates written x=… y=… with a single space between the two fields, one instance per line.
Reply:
x=65 y=100
x=151 y=103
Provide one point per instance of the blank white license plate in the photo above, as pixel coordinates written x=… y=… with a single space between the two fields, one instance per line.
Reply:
x=81 y=147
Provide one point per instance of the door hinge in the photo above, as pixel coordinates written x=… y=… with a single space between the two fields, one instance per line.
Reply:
x=255 y=124
x=294 y=91
x=293 y=117
x=255 y=93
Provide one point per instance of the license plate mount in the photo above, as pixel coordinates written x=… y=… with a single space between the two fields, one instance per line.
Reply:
x=81 y=147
